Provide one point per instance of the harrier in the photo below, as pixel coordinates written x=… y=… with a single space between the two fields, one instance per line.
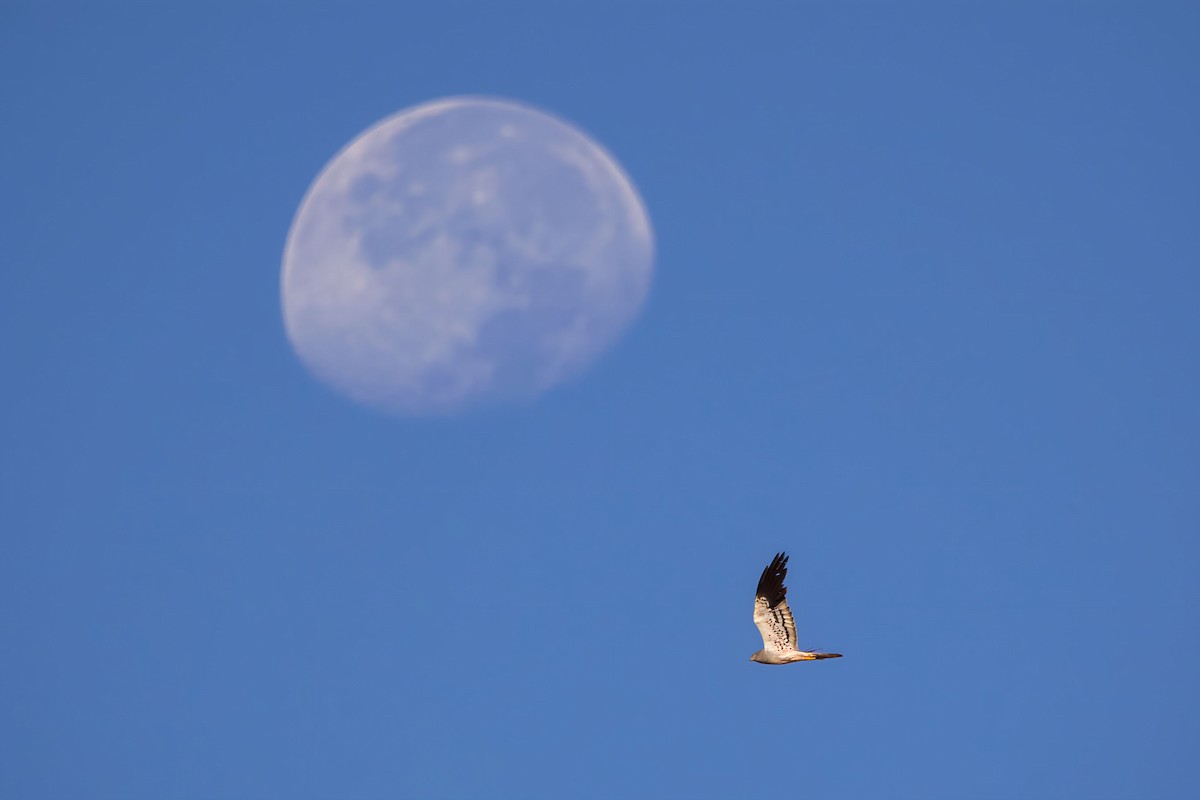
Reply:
x=774 y=619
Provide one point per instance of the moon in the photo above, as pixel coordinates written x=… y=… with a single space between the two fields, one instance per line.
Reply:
x=462 y=252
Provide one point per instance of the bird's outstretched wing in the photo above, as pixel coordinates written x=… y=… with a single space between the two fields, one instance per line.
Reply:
x=771 y=613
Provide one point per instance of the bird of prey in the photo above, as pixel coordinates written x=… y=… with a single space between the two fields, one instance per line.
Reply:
x=774 y=619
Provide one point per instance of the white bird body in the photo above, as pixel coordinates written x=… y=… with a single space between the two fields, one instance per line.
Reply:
x=774 y=619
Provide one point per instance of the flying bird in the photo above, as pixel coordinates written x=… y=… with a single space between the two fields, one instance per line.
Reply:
x=774 y=619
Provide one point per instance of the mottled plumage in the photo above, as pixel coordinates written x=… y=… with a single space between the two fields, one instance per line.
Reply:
x=774 y=619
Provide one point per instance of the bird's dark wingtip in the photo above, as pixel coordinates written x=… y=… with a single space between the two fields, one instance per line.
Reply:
x=770 y=585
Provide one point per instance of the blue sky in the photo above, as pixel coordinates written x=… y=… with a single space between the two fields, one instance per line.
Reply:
x=925 y=316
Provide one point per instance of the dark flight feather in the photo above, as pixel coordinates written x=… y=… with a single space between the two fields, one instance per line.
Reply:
x=770 y=585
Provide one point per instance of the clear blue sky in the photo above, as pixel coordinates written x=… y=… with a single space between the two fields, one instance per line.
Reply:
x=926 y=315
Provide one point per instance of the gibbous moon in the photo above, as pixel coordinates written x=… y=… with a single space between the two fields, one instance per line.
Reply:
x=461 y=252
